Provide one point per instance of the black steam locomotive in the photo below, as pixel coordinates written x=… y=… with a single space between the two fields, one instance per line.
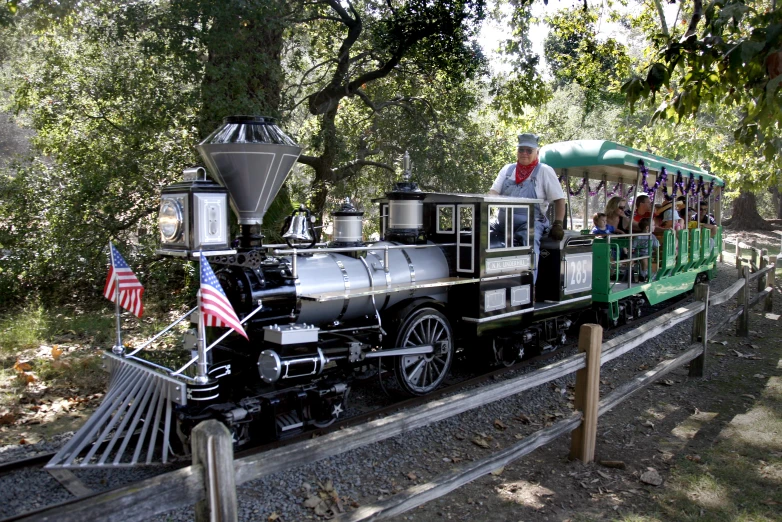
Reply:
x=446 y=275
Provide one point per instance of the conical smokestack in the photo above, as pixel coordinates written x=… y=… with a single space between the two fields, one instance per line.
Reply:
x=251 y=157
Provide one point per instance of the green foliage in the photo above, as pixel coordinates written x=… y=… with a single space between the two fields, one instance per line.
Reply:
x=569 y=116
x=381 y=79
x=732 y=58
x=229 y=51
x=575 y=54
x=118 y=94
x=112 y=127
x=516 y=92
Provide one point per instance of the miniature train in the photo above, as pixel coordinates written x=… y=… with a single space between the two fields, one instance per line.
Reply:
x=447 y=274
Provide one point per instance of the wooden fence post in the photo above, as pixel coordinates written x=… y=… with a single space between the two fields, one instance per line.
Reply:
x=700 y=330
x=738 y=257
x=762 y=280
x=213 y=450
x=742 y=325
x=587 y=395
x=768 y=305
x=754 y=261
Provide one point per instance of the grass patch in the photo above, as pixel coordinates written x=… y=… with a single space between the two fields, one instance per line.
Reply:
x=23 y=329
x=33 y=326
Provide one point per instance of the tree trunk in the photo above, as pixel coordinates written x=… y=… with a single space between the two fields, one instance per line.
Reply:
x=745 y=214
x=777 y=199
x=243 y=73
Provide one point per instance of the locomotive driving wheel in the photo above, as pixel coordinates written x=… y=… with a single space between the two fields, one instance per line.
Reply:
x=421 y=373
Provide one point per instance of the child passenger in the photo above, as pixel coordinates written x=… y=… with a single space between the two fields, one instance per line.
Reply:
x=601 y=227
x=642 y=244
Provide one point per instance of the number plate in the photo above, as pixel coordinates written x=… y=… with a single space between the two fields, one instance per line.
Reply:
x=578 y=273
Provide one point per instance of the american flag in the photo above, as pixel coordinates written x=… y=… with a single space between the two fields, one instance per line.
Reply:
x=216 y=309
x=130 y=289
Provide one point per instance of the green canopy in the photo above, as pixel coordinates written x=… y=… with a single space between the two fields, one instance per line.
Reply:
x=598 y=158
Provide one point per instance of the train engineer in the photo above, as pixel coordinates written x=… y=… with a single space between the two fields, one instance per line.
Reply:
x=528 y=178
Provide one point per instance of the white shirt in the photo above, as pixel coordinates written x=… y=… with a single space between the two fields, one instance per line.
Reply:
x=547 y=185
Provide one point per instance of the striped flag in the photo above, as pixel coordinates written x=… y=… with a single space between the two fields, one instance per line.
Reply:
x=130 y=289
x=216 y=309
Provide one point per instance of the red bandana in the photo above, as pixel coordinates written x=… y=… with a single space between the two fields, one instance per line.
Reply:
x=524 y=171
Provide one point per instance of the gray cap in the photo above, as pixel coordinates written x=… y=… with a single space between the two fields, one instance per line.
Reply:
x=528 y=140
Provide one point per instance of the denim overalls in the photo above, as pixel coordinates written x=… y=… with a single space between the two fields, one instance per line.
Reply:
x=526 y=189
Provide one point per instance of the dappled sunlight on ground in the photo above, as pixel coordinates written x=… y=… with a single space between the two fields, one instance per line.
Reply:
x=524 y=493
x=662 y=411
x=690 y=427
x=708 y=493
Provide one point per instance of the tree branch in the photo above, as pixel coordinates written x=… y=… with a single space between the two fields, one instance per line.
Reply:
x=697 y=13
x=357 y=164
x=661 y=14
x=312 y=161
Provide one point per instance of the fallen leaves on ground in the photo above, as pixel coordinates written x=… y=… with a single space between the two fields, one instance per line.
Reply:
x=483 y=442
x=325 y=502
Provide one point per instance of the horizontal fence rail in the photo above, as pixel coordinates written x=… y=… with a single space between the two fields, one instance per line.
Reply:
x=188 y=486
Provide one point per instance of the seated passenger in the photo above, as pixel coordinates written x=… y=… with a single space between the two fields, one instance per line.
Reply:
x=705 y=219
x=643 y=208
x=601 y=227
x=615 y=215
x=642 y=243
x=666 y=218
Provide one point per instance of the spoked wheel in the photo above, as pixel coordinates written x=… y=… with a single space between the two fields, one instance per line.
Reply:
x=421 y=373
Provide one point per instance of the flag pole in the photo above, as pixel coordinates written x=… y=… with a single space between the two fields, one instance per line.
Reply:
x=118 y=348
x=202 y=376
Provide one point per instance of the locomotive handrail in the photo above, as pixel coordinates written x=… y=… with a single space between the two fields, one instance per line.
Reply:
x=578 y=241
x=295 y=252
x=359 y=249
x=156 y=337
x=208 y=348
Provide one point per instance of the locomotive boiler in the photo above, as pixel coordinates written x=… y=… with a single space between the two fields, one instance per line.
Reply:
x=447 y=274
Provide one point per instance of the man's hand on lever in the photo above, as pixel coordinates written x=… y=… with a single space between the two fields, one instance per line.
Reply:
x=556 y=232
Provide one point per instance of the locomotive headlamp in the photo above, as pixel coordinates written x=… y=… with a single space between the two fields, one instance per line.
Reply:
x=193 y=216
x=170 y=220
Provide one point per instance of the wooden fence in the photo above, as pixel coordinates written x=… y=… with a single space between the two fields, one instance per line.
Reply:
x=210 y=482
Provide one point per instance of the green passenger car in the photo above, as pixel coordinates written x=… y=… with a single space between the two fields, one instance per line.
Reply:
x=630 y=267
